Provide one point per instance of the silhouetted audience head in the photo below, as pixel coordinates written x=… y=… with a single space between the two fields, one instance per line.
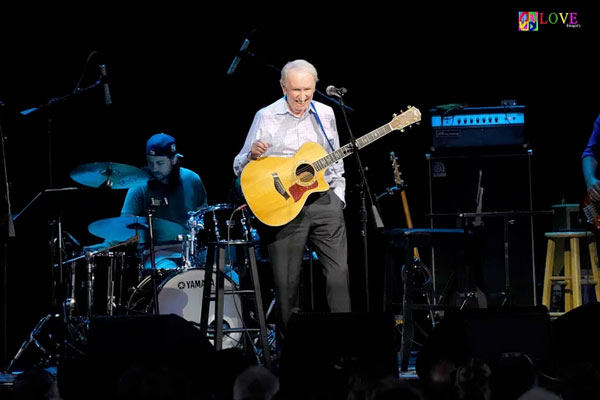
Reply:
x=512 y=376
x=473 y=380
x=391 y=388
x=580 y=380
x=255 y=383
x=35 y=384
x=539 y=393
x=371 y=385
x=153 y=382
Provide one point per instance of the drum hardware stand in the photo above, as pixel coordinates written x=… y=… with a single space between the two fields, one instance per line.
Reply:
x=190 y=241
x=74 y=333
x=73 y=329
x=89 y=284
x=110 y=289
x=154 y=204
x=32 y=339
x=57 y=287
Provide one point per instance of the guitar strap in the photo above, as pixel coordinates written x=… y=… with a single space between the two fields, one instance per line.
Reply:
x=312 y=105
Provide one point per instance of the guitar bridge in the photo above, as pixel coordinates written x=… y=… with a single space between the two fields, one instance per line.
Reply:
x=279 y=186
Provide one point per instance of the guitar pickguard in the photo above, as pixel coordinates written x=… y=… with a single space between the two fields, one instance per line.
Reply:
x=298 y=190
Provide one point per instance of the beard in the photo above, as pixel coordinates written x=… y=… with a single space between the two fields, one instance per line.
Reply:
x=173 y=179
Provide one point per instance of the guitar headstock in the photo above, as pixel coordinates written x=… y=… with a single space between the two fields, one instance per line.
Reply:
x=407 y=118
x=397 y=174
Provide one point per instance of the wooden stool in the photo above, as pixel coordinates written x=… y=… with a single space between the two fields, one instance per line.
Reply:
x=571 y=277
x=216 y=260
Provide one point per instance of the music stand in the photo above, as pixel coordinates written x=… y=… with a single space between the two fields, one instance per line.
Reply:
x=507 y=216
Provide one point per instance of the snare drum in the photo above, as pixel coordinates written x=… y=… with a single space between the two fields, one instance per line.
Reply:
x=181 y=293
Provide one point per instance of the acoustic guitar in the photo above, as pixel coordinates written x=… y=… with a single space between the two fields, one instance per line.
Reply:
x=276 y=188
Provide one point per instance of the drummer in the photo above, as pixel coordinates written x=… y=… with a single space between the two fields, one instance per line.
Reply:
x=173 y=191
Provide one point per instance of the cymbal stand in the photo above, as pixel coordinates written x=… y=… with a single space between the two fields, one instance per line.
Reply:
x=57 y=251
x=89 y=285
x=32 y=339
x=70 y=302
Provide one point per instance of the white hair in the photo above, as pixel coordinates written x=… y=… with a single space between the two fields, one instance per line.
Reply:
x=301 y=65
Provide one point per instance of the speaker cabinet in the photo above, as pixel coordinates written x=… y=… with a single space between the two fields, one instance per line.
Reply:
x=507 y=339
x=504 y=243
x=325 y=348
x=575 y=334
x=117 y=343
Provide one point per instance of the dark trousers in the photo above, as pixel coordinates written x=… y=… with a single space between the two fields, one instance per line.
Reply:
x=321 y=224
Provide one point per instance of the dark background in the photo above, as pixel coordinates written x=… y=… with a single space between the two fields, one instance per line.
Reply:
x=167 y=72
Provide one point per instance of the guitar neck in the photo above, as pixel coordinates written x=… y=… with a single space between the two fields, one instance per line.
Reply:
x=348 y=149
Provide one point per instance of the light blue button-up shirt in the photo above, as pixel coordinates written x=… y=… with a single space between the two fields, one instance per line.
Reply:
x=286 y=133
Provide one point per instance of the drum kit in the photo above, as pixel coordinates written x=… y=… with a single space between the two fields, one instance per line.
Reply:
x=179 y=252
x=116 y=277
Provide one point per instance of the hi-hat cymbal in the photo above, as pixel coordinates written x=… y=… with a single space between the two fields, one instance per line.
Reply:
x=109 y=174
x=119 y=229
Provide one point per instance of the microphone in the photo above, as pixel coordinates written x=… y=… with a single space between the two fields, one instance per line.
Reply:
x=107 y=99
x=337 y=92
x=237 y=58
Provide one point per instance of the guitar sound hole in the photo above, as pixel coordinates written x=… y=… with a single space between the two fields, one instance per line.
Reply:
x=305 y=172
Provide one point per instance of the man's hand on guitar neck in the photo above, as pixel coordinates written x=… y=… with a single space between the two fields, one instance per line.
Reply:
x=258 y=149
x=590 y=166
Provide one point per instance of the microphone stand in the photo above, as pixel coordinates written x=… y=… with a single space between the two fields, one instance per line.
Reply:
x=364 y=192
x=10 y=232
x=49 y=105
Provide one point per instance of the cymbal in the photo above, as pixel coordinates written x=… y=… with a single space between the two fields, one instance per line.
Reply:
x=109 y=174
x=121 y=228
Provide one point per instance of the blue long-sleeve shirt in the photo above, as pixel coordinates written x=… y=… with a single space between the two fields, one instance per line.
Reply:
x=593 y=147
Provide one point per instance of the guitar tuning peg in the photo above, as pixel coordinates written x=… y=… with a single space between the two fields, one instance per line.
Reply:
x=394 y=115
x=401 y=130
x=409 y=107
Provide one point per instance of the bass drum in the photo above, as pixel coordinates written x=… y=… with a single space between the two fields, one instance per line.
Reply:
x=180 y=293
